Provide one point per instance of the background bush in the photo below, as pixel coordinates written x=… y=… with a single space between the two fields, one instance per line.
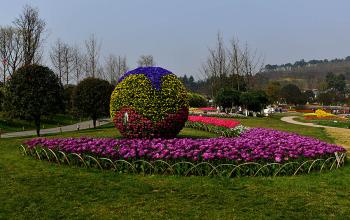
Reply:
x=33 y=91
x=1 y=97
x=91 y=98
x=68 y=98
x=197 y=100
x=227 y=98
x=254 y=100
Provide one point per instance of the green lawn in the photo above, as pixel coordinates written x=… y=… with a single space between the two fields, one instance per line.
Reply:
x=31 y=189
x=13 y=125
x=330 y=122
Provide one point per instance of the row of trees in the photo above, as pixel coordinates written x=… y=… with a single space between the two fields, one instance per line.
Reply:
x=251 y=100
x=71 y=63
x=303 y=63
x=35 y=91
x=334 y=92
x=230 y=66
x=22 y=43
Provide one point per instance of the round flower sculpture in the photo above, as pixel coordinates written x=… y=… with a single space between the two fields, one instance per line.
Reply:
x=149 y=102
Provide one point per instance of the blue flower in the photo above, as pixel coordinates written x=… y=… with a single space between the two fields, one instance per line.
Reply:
x=154 y=74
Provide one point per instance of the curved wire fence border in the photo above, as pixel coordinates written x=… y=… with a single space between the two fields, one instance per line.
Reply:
x=150 y=167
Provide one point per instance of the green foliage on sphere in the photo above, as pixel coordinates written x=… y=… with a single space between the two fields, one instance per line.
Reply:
x=136 y=92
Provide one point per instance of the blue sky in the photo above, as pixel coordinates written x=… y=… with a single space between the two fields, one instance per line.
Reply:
x=178 y=33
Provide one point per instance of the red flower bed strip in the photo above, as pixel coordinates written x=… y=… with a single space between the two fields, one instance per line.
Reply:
x=214 y=121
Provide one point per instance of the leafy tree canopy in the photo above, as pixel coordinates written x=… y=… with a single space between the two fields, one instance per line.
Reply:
x=197 y=100
x=91 y=98
x=273 y=90
x=33 y=91
x=336 y=82
x=292 y=94
x=254 y=100
x=227 y=98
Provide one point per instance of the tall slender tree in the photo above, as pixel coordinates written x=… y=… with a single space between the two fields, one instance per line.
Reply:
x=115 y=66
x=31 y=28
x=93 y=48
x=56 y=55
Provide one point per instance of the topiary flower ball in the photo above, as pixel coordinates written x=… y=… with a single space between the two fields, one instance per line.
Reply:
x=149 y=102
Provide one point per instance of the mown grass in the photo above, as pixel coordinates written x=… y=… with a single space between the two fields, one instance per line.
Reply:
x=32 y=189
x=15 y=124
x=325 y=122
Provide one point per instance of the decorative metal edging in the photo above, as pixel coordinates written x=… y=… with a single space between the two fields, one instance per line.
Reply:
x=186 y=168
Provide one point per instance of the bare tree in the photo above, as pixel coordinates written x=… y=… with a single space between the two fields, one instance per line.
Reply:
x=4 y=51
x=78 y=63
x=56 y=56
x=10 y=50
x=252 y=63
x=146 y=60
x=31 y=27
x=16 y=48
x=68 y=62
x=100 y=72
x=232 y=63
x=216 y=65
x=235 y=61
x=92 y=55
x=115 y=66
x=122 y=66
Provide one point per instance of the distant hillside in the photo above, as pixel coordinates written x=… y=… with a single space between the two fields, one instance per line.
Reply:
x=307 y=75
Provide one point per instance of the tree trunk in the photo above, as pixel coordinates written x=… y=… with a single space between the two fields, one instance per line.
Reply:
x=37 y=125
x=94 y=121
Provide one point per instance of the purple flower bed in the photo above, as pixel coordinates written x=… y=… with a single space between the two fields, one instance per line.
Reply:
x=253 y=145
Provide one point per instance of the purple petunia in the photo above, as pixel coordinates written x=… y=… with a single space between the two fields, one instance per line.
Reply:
x=154 y=74
x=254 y=144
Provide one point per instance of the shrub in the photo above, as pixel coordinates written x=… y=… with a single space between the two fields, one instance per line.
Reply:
x=292 y=95
x=68 y=95
x=197 y=100
x=91 y=98
x=254 y=100
x=221 y=130
x=33 y=91
x=149 y=102
x=227 y=98
x=1 y=96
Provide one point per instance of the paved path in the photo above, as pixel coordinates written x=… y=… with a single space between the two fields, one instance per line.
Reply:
x=82 y=125
x=290 y=119
x=341 y=135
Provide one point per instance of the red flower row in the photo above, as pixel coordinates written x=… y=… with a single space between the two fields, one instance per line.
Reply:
x=133 y=125
x=207 y=109
x=214 y=121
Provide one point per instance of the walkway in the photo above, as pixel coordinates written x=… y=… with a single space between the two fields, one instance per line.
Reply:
x=341 y=135
x=82 y=125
